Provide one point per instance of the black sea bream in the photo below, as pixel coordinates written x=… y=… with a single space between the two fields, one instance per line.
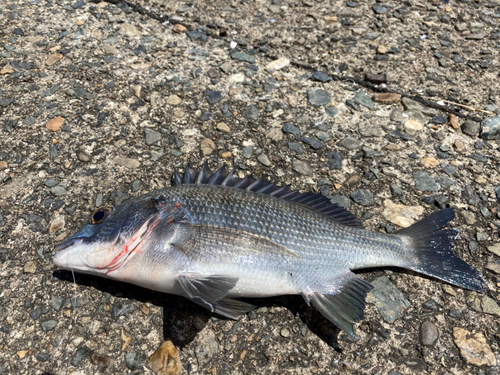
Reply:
x=215 y=238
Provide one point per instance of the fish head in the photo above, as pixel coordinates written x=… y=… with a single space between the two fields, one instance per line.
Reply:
x=111 y=237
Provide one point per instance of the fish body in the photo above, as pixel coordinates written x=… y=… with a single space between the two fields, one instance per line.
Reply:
x=215 y=238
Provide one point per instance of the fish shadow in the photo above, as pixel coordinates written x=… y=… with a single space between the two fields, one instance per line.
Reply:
x=182 y=319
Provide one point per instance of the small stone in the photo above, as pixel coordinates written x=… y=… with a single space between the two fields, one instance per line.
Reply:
x=252 y=113
x=174 y=100
x=382 y=50
x=264 y=160
x=413 y=126
x=367 y=129
x=30 y=267
x=490 y=128
x=79 y=355
x=388 y=300
x=56 y=302
x=494 y=266
x=489 y=306
x=350 y=143
x=82 y=156
x=127 y=162
x=290 y=128
x=352 y=104
x=56 y=224
x=473 y=348
x=302 y=167
x=414 y=106
x=205 y=116
x=278 y=64
x=377 y=79
x=495 y=249
x=438 y=120
x=240 y=56
x=379 y=9
x=318 y=97
x=429 y=333
x=120 y=309
x=429 y=162
x=166 y=360
x=401 y=215
x=207 y=146
x=222 y=126
x=453 y=121
x=363 y=197
x=471 y=128
x=152 y=136
x=212 y=97
x=58 y=190
x=247 y=152
x=362 y=98
x=226 y=154
x=312 y=141
x=285 y=332
x=387 y=98
x=48 y=324
x=132 y=362
x=55 y=124
x=424 y=182
x=197 y=35
x=469 y=217
x=320 y=77
x=53 y=58
x=331 y=111
x=295 y=147
x=177 y=28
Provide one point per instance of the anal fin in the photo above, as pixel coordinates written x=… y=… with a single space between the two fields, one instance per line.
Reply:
x=345 y=306
x=211 y=291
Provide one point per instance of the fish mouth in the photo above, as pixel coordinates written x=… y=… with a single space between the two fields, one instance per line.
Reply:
x=64 y=245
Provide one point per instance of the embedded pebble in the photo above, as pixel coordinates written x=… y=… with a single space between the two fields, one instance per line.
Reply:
x=174 y=100
x=165 y=360
x=302 y=167
x=363 y=197
x=400 y=214
x=473 y=347
x=388 y=300
x=424 y=182
x=318 y=97
x=223 y=127
x=429 y=333
x=278 y=64
x=55 y=124
x=152 y=136
x=413 y=126
x=264 y=160
x=30 y=267
x=207 y=146
x=490 y=128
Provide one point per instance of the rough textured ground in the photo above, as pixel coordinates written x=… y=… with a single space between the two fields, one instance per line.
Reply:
x=99 y=102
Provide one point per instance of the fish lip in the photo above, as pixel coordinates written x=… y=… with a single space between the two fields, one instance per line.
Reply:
x=64 y=245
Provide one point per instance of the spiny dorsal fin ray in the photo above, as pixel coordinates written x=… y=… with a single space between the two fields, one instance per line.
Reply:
x=264 y=186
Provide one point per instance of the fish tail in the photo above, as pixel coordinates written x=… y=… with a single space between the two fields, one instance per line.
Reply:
x=433 y=252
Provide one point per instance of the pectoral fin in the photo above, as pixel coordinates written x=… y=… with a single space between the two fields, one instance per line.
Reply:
x=346 y=306
x=210 y=292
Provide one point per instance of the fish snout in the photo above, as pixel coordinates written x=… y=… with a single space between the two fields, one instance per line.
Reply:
x=64 y=245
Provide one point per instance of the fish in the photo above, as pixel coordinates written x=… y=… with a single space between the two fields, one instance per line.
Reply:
x=218 y=239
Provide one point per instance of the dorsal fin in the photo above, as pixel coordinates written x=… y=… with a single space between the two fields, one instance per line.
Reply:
x=264 y=186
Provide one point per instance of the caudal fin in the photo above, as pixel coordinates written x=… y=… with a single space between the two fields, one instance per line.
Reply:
x=433 y=254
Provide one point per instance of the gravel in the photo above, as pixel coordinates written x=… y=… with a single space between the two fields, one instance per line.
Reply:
x=99 y=101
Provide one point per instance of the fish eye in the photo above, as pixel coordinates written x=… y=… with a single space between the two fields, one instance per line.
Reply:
x=99 y=215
